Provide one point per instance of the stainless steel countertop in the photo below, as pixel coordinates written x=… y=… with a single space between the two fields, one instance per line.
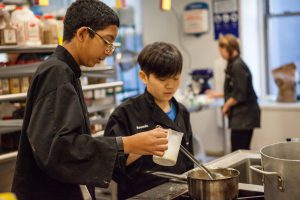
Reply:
x=171 y=189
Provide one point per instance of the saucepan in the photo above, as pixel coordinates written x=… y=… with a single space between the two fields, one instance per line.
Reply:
x=223 y=187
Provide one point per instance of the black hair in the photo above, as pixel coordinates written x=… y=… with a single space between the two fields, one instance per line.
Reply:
x=90 y=13
x=161 y=59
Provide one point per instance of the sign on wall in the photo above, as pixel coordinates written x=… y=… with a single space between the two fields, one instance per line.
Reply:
x=226 y=17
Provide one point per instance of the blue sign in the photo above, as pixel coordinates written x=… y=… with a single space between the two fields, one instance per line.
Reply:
x=227 y=22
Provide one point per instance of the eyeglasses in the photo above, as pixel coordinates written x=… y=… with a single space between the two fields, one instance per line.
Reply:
x=110 y=47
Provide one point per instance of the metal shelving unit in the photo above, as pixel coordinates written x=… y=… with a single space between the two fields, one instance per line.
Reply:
x=46 y=48
x=18 y=70
x=29 y=69
x=13 y=97
x=23 y=70
x=22 y=96
x=8 y=126
x=99 y=72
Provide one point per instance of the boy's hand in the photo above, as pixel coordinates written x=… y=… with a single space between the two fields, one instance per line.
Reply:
x=153 y=142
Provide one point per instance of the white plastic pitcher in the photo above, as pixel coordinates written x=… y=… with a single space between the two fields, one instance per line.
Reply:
x=170 y=156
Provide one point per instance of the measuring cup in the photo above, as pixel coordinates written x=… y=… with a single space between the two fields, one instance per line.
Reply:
x=170 y=156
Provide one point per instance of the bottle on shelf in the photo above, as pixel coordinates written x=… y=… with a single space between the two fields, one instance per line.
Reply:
x=51 y=30
x=14 y=85
x=5 y=86
x=8 y=33
x=28 y=29
x=24 y=82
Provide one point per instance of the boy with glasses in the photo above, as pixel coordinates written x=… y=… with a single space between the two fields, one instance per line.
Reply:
x=56 y=151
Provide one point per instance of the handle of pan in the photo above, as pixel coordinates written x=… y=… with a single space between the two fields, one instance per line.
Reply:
x=200 y=165
x=177 y=177
x=258 y=168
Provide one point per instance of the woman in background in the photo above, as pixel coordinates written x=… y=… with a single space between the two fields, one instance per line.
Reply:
x=240 y=99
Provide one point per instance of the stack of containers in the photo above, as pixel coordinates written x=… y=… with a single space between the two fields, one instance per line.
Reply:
x=28 y=27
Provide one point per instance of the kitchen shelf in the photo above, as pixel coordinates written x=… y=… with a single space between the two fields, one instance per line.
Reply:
x=9 y=126
x=11 y=122
x=45 y=48
x=96 y=68
x=25 y=70
x=102 y=86
x=4 y=158
x=98 y=71
x=13 y=97
x=19 y=70
x=30 y=68
x=99 y=120
x=22 y=96
x=9 y=129
x=98 y=108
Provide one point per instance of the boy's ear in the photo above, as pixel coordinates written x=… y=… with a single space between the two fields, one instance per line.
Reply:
x=81 y=33
x=143 y=77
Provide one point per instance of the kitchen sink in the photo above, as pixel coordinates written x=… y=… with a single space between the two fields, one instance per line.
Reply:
x=246 y=174
x=241 y=160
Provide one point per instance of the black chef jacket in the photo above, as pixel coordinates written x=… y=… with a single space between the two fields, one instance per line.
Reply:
x=238 y=85
x=56 y=151
x=142 y=114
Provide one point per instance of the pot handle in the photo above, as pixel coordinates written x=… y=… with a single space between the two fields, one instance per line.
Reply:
x=181 y=177
x=258 y=168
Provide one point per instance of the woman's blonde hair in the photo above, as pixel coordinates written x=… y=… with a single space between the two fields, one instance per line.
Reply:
x=230 y=43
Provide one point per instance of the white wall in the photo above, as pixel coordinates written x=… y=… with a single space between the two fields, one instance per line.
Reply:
x=163 y=26
x=279 y=121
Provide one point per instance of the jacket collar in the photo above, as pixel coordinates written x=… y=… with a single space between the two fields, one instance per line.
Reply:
x=229 y=64
x=64 y=55
x=159 y=116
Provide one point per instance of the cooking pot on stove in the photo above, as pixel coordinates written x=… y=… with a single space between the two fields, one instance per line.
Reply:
x=280 y=167
x=224 y=187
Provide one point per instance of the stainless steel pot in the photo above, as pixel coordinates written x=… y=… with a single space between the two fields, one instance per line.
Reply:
x=280 y=167
x=224 y=187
